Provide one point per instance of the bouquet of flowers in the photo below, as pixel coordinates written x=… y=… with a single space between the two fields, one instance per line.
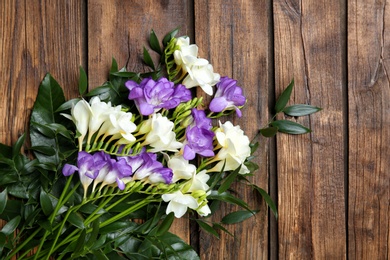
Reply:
x=109 y=171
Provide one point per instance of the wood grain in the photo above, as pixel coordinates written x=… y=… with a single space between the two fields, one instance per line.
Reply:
x=309 y=48
x=235 y=37
x=369 y=134
x=121 y=29
x=36 y=37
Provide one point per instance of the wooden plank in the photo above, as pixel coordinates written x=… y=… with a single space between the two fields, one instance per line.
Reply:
x=235 y=37
x=369 y=134
x=309 y=48
x=120 y=29
x=36 y=37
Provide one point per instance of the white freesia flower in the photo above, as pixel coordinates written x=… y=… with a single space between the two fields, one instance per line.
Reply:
x=202 y=76
x=119 y=126
x=181 y=168
x=160 y=136
x=234 y=148
x=100 y=112
x=187 y=56
x=204 y=210
x=179 y=202
x=199 y=181
x=80 y=115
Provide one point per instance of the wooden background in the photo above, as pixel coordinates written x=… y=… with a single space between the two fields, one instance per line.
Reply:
x=331 y=186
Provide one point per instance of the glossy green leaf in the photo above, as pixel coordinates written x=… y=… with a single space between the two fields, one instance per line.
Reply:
x=80 y=243
x=300 y=110
x=268 y=200
x=3 y=240
x=5 y=151
x=67 y=105
x=99 y=255
x=290 y=127
x=229 y=198
x=3 y=200
x=154 y=43
x=227 y=182
x=11 y=226
x=83 y=81
x=237 y=217
x=218 y=226
x=206 y=227
x=284 y=97
x=50 y=97
x=46 y=150
x=269 y=131
x=94 y=234
x=125 y=74
x=165 y=224
x=46 y=204
x=169 y=36
x=147 y=59
x=18 y=145
x=76 y=220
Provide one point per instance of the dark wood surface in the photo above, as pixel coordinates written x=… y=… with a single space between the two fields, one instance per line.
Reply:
x=331 y=186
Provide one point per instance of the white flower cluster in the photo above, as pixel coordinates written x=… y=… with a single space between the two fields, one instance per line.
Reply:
x=200 y=71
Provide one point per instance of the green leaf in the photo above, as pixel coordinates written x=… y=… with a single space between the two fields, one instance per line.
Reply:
x=268 y=199
x=3 y=200
x=46 y=150
x=80 y=243
x=147 y=59
x=301 y=110
x=46 y=204
x=50 y=97
x=216 y=225
x=83 y=81
x=11 y=226
x=154 y=43
x=68 y=104
x=5 y=150
x=284 y=97
x=237 y=217
x=124 y=74
x=3 y=240
x=18 y=145
x=76 y=220
x=169 y=36
x=94 y=234
x=290 y=127
x=227 y=197
x=269 y=131
x=165 y=225
x=228 y=181
x=206 y=227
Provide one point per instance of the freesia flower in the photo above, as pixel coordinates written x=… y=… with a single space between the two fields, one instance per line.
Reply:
x=179 y=203
x=150 y=96
x=159 y=134
x=228 y=96
x=86 y=168
x=119 y=126
x=234 y=148
x=199 y=181
x=80 y=115
x=202 y=76
x=187 y=54
x=146 y=167
x=200 y=119
x=117 y=170
x=181 y=168
x=100 y=112
x=204 y=210
x=198 y=141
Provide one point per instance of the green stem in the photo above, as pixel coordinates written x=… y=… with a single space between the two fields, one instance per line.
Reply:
x=23 y=244
x=61 y=227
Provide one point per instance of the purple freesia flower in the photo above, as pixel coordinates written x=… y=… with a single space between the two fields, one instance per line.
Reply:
x=117 y=170
x=150 y=96
x=198 y=141
x=86 y=168
x=146 y=166
x=200 y=119
x=228 y=96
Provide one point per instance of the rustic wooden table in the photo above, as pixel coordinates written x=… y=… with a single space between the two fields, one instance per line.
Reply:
x=331 y=186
